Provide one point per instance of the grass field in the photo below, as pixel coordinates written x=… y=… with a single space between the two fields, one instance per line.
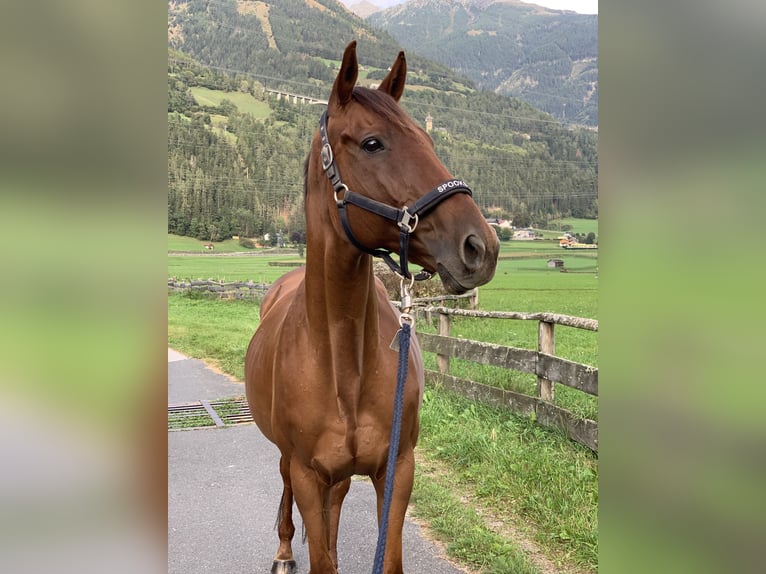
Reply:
x=480 y=469
x=245 y=103
x=228 y=268
x=180 y=243
x=523 y=281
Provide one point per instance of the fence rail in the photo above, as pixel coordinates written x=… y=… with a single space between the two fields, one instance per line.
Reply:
x=542 y=362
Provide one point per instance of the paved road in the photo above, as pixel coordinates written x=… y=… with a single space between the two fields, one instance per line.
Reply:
x=223 y=491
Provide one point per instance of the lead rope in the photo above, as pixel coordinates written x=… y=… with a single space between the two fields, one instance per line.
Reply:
x=401 y=343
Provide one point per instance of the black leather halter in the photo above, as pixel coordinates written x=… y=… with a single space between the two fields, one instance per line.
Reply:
x=405 y=218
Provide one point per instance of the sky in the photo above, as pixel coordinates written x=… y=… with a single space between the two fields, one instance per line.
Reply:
x=581 y=6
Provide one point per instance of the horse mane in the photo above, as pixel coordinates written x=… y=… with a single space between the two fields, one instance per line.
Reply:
x=377 y=102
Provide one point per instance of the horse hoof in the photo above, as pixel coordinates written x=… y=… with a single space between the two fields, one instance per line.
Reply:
x=283 y=567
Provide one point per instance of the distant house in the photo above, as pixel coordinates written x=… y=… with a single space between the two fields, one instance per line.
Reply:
x=555 y=262
x=501 y=223
x=523 y=234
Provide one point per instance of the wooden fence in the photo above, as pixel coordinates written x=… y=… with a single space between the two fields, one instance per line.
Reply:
x=542 y=362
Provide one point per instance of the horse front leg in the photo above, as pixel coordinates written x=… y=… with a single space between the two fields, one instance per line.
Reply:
x=337 y=494
x=312 y=495
x=284 y=563
x=403 y=481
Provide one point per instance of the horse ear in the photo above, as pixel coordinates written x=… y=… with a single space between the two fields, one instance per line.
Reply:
x=393 y=85
x=346 y=80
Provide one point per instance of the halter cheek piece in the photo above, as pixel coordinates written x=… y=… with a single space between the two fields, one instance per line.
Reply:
x=405 y=218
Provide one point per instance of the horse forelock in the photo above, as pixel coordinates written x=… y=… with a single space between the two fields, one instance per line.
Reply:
x=381 y=104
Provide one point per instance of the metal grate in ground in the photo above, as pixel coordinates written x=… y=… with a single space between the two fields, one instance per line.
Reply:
x=233 y=411
x=208 y=414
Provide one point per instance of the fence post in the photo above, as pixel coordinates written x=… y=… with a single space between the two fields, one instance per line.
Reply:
x=442 y=361
x=473 y=301
x=545 y=344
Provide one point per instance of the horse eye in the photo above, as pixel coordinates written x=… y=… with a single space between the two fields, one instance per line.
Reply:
x=372 y=145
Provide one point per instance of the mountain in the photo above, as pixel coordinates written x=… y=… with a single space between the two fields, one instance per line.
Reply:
x=236 y=149
x=294 y=39
x=546 y=57
x=364 y=8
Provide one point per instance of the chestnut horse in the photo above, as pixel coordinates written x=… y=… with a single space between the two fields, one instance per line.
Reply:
x=320 y=373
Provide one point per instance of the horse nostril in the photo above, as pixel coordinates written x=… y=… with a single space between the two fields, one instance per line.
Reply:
x=473 y=252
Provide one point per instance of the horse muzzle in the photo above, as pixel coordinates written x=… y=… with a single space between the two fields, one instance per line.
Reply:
x=470 y=265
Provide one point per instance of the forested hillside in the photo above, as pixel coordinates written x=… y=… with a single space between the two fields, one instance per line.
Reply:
x=286 y=43
x=236 y=152
x=548 y=58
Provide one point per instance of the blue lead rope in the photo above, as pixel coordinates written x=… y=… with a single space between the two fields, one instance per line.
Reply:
x=393 y=447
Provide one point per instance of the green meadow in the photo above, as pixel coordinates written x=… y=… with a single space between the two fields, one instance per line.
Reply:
x=190 y=244
x=255 y=267
x=246 y=103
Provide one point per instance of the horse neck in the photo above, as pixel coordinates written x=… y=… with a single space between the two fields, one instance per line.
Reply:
x=341 y=299
x=340 y=292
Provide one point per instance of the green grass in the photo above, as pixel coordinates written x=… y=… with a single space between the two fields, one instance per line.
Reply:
x=462 y=530
x=245 y=103
x=528 y=474
x=524 y=282
x=256 y=268
x=211 y=329
x=181 y=243
x=190 y=244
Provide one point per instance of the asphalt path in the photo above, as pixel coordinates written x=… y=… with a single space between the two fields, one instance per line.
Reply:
x=224 y=488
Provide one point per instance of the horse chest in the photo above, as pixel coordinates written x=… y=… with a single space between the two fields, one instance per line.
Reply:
x=342 y=449
x=341 y=423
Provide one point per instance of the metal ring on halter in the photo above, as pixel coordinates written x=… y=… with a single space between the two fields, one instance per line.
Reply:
x=344 y=187
x=406 y=318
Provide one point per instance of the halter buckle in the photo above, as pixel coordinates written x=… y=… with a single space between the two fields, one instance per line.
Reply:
x=404 y=222
x=326 y=155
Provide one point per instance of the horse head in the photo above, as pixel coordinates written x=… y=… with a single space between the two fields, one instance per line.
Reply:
x=385 y=190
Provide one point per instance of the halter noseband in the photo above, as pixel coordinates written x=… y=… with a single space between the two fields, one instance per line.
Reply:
x=405 y=218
